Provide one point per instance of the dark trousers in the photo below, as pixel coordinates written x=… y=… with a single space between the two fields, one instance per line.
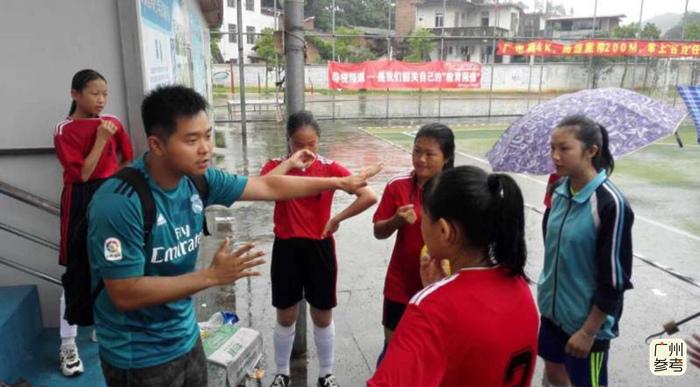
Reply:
x=189 y=370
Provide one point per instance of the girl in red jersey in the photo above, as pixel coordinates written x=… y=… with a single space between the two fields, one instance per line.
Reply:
x=478 y=326
x=303 y=255
x=400 y=210
x=90 y=147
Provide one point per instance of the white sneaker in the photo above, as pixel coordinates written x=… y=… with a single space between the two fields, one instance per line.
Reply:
x=71 y=365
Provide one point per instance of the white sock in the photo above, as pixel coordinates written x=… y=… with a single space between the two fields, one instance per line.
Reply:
x=325 y=348
x=283 y=339
x=68 y=332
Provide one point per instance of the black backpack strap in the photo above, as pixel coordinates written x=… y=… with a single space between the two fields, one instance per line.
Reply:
x=137 y=180
x=200 y=182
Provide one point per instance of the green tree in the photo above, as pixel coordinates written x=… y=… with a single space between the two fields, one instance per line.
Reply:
x=350 y=46
x=628 y=31
x=650 y=31
x=368 y=13
x=265 y=48
x=676 y=31
x=421 y=43
x=692 y=31
x=214 y=40
x=325 y=49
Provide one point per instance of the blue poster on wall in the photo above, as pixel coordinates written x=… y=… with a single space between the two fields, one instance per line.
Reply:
x=157 y=27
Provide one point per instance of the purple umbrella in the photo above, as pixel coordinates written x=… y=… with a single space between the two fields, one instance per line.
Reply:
x=632 y=120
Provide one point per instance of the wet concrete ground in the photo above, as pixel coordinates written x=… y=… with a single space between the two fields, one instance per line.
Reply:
x=657 y=296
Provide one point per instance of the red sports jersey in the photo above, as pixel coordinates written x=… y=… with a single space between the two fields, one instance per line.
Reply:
x=403 y=275
x=477 y=327
x=73 y=140
x=305 y=217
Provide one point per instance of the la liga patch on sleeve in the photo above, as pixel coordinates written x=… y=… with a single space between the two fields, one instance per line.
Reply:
x=113 y=249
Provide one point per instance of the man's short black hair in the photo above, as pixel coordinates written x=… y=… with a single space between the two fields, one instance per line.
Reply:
x=164 y=105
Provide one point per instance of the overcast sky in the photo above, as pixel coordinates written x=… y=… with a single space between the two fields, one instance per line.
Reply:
x=627 y=7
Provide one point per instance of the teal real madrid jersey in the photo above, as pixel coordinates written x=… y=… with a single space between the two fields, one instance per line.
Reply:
x=153 y=335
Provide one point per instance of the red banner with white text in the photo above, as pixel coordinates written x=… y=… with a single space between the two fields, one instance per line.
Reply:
x=384 y=74
x=600 y=47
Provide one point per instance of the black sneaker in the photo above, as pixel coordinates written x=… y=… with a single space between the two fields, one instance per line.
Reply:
x=281 y=380
x=328 y=381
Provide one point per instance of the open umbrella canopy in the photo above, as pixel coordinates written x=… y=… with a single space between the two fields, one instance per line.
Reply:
x=632 y=120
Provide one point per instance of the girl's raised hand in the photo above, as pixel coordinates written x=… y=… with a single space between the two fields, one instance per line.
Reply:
x=407 y=214
x=431 y=270
x=106 y=130
x=301 y=159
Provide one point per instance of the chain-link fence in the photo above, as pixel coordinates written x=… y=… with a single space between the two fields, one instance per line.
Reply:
x=446 y=32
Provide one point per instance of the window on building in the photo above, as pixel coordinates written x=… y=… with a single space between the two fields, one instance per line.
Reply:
x=232 y=3
x=250 y=5
x=232 y=31
x=513 y=21
x=250 y=35
x=485 y=19
x=450 y=50
x=439 y=19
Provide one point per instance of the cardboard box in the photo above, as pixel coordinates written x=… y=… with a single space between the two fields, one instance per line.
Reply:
x=231 y=352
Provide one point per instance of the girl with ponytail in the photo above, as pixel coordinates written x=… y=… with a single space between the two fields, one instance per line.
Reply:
x=91 y=147
x=588 y=257
x=484 y=310
x=399 y=212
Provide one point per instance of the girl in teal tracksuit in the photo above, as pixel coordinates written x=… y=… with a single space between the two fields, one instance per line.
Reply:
x=588 y=257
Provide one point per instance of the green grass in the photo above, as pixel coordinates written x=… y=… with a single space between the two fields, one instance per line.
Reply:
x=662 y=178
x=662 y=163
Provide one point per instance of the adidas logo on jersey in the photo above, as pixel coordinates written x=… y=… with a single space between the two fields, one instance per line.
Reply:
x=161 y=220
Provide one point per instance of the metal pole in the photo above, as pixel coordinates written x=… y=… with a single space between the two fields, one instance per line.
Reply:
x=530 y=61
x=539 y=90
x=333 y=56
x=241 y=65
x=493 y=56
x=639 y=36
x=276 y=15
x=590 y=58
x=233 y=85
x=442 y=51
x=294 y=53
x=678 y=70
x=388 y=45
x=388 y=31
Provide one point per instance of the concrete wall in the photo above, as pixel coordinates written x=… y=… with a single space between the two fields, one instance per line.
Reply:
x=41 y=47
x=507 y=77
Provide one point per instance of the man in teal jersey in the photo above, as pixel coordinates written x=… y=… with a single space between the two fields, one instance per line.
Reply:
x=145 y=322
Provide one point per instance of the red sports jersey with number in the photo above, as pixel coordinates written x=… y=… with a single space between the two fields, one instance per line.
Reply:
x=403 y=275
x=477 y=327
x=73 y=140
x=305 y=217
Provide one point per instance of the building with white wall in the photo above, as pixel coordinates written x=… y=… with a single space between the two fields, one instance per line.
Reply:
x=578 y=27
x=467 y=25
x=255 y=19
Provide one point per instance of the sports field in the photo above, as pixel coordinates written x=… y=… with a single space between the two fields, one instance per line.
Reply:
x=661 y=180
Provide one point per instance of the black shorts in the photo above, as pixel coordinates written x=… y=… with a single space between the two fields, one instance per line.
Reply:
x=188 y=370
x=392 y=313
x=304 y=268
